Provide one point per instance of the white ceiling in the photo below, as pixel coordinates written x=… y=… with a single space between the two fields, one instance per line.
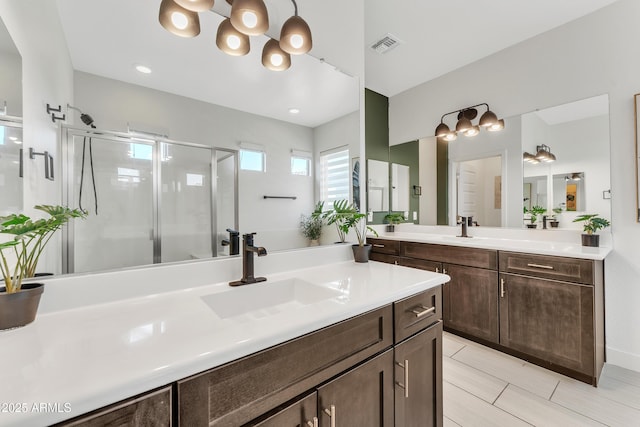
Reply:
x=442 y=35
x=109 y=37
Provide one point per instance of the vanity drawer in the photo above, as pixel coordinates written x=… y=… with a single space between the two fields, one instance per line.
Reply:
x=472 y=257
x=389 y=259
x=422 y=264
x=417 y=312
x=382 y=246
x=548 y=267
x=235 y=393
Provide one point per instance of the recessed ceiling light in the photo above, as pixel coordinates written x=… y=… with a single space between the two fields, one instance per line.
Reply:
x=294 y=110
x=143 y=69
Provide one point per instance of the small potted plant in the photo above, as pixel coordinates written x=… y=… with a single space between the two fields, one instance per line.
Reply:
x=554 y=219
x=392 y=219
x=592 y=223
x=311 y=225
x=533 y=215
x=346 y=217
x=19 y=258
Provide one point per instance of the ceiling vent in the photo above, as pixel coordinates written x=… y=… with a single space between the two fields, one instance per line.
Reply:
x=386 y=43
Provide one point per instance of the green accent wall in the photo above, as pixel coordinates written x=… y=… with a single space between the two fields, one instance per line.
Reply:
x=376 y=125
x=408 y=154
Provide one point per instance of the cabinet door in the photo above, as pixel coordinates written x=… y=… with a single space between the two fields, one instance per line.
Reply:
x=548 y=319
x=418 y=369
x=362 y=397
x=301 y=413
x=470 y=301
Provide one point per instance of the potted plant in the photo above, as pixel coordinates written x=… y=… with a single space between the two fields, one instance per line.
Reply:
x=346 y=217
x=554 y=219
x=18 y=301
x=392 y=219
x=592 y=223
x=311 y=225
x=534 y=212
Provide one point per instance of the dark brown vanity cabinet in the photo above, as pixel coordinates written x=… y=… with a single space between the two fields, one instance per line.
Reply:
x=547 y=314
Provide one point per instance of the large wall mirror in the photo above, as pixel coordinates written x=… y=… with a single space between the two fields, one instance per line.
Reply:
x=505 y=187
x=636 y=99
x=10 y=125
x=174 y=137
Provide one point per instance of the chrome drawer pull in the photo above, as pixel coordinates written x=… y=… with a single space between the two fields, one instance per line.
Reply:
x=314 y=423
x=437 y=270
x=404 y=385
x=546 y=267
x=424 y=311
x=376 y=245
x=501 y=288
x=332 y=414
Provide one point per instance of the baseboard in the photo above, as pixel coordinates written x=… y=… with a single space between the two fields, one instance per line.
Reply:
x=623 y=359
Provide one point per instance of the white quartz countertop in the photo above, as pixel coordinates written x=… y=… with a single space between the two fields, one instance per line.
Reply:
x=548 y=246
x=84 y=358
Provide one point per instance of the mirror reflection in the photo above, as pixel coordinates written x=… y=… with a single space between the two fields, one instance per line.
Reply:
x=167 y=145
x=577 y=181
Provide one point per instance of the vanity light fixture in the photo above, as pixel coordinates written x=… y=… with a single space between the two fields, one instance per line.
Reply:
x=465 y=126
x=231 y=41
x=576 y=176
x=295 y=35
x=250 y=17
x=274 y=58
x=178 y=20
x=544 y=154
x=530 y=158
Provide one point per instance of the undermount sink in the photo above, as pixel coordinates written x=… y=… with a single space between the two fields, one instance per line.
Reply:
x=267 y=298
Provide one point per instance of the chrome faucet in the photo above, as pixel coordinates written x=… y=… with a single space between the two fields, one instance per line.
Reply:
x=247 y=261
x=465 y=223
x=544 y=222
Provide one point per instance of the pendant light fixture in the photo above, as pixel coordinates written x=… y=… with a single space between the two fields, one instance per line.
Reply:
x=196 y=5
x=178 y=20
x=544 y=154
x=274 y=58
x=231 y=41
x=295 y=35
x=465 y=125
x=250 y=17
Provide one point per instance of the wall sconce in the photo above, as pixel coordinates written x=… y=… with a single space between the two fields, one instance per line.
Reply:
x=247 y=18
x=530 y=158
x=576 y=176
x=465 y=126
x=544 y=154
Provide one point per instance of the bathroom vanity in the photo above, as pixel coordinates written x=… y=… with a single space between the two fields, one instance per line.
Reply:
x=542 y=301
x=331 y=344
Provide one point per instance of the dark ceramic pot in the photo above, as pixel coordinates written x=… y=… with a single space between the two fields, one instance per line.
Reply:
x=532 y=225
x=592 y=240
x=554 y=224
x=390 y=228
x=20 y=308
x=361 y=253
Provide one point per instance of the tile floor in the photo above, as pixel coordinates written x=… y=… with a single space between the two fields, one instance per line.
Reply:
x=483 y=387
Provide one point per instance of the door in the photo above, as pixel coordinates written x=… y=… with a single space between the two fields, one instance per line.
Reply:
x=111 y=178
x=418 y=373
x=185 y=202
x=362 y=397
x=470 y=301
x=548 y=319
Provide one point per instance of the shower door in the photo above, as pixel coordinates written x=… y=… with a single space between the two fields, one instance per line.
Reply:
x=11 y=158
x=118 y=231
x=154 y=200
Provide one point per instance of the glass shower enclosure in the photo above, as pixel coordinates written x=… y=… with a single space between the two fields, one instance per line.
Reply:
x=149 y=200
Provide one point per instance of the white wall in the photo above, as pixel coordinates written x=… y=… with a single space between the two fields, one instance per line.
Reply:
x=428 y=181
x=11 y=83
x=113 y=104
x=47 y=77
x=590 y=56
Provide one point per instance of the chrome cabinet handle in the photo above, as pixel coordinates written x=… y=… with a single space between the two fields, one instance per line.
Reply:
x=502 y=292
x=444 y=270
x=377 y=245
x=546 y=267
x=314 y=423
x=437 y=270
x=332 y=414
x=404 y=385
x=424 y=312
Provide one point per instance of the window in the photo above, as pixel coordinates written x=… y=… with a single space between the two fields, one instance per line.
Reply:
x=334 y=175
x=300 y=166
x=252 y=160
x=141 y=151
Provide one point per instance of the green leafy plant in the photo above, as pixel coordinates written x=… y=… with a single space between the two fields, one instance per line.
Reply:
x=346 y=217
x=535 y=211
x=557 y=211
x=592 y=223
x=29 y=240
x=311 y=225
x=394 y=218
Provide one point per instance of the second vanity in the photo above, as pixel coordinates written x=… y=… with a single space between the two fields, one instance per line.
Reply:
x=540 y=300
x=330 y=343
